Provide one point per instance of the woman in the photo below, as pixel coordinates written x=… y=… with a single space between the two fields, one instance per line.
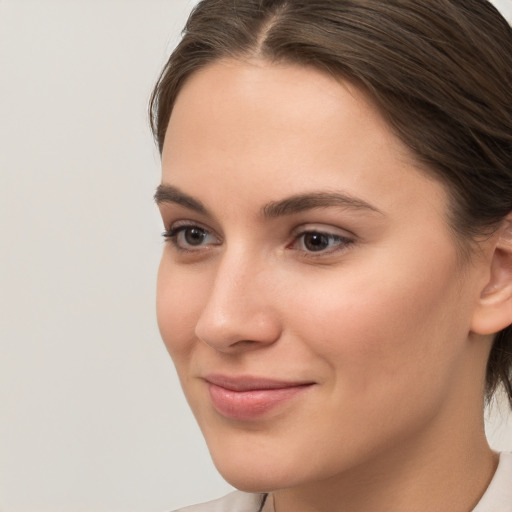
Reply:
x=336 y=290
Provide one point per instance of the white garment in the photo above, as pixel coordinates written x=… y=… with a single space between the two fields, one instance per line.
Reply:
x=237 y=501
x=497 y=497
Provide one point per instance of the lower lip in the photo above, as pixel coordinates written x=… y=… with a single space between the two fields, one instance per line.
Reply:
x=251 y=404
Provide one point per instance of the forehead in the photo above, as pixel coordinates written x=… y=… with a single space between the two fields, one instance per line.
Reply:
x=293 y=96
x=258 y=128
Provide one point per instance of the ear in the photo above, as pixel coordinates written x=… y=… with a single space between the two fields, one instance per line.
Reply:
x=494 y=309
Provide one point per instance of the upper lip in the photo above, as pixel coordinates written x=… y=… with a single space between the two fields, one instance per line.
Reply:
x=250 y=383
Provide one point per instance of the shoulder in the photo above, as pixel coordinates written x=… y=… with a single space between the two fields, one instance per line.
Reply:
x=498 y=497
x=237 y=501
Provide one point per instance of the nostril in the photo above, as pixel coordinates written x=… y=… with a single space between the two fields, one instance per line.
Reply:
x=238 y=331
x=232 y=347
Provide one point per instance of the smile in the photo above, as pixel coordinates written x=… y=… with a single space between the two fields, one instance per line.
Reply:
x=249 y=398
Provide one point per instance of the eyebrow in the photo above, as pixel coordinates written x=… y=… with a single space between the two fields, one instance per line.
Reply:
x=310 y=201
x=288 y=206
x=170 y=194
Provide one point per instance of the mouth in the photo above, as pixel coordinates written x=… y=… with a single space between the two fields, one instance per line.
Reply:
x=249 y=398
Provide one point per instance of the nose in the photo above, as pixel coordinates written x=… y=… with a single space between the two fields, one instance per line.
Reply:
x=239 y=313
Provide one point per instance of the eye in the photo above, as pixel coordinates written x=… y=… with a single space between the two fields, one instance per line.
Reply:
x=319 y=242
x=189 y=237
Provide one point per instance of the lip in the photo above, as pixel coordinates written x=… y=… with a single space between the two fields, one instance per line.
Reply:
x=248 y=398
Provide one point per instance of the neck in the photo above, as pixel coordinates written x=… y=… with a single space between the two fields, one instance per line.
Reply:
x=438 y=472
x=445 y=464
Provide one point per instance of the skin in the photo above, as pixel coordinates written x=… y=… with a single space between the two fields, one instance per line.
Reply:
x=381 y=321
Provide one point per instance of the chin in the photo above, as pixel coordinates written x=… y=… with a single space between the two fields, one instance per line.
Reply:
x=258 y=469
x=252 y=478
x=251 y=470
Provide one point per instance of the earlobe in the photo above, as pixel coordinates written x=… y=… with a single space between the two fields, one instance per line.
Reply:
x=494 y=309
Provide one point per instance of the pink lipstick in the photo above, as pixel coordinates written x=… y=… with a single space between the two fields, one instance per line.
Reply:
x=249 y=398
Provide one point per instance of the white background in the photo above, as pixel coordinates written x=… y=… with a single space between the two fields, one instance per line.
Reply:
x=91 y=414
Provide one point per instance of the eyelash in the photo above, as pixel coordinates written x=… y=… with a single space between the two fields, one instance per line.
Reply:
x=172 y=235
x=342 y=242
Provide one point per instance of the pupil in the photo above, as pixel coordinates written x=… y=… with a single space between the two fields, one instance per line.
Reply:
x=194 y=236
x=316 y=242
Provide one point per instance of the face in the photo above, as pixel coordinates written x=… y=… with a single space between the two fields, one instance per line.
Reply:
x=310 y=291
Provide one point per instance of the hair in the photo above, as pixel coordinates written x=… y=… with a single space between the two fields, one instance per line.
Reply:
x=440 y=71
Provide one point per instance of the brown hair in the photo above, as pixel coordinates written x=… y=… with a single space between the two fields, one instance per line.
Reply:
x=439 y=70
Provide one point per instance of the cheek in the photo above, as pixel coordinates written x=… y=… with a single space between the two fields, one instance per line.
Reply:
x=384 y=328
x=178 y=299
